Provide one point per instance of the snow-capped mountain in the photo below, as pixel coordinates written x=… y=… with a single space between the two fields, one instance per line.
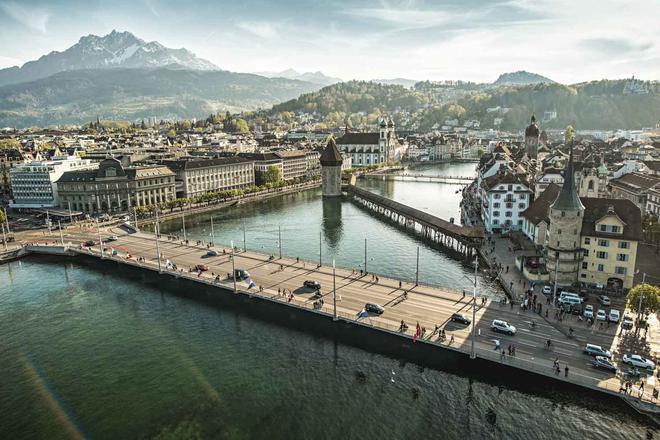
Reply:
x=117 y=49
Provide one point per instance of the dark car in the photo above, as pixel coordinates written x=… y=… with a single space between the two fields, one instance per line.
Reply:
x=212 y=253
x=202 y=267
x=311 y=284
x=241 y=274
x=457 y=317
x=374 y=308
x=89 y=243
x=603 y=363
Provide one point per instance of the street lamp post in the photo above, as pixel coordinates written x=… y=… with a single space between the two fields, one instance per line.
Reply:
x=244 y=240
x=157 y=233
x=183 y=222
x=212 y=233
x=554 y=290
x=70 y=213
x=59 y=226
x=48 y=222
x=365 y=256
x=7 y=220
x=98 y=230
x=417 y=271
x=279 y=235
x=334 y=292
x=321 y=249
x=473 y=354
x=233 y=265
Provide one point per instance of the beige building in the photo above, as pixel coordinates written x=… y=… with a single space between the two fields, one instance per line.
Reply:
x=9 y=158
x=113 y=188
x=610 y=232
x=200 y=176
x=294 y=164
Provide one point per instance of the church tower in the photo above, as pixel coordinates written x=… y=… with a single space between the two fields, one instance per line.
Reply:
x=331 y=161
x=563 y=252
x=532 y=139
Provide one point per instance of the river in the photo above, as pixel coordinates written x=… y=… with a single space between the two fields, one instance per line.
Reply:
x=88 y=354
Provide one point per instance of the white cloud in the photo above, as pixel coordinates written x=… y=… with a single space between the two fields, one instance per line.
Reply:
x=403 y=18
x=32 y=18
x=262 y=29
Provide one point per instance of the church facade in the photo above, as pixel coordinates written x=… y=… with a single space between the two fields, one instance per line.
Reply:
x=367 y=149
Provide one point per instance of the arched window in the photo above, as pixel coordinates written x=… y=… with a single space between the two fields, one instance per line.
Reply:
x=591 y=185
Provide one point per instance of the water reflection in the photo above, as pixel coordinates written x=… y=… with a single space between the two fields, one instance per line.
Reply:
x=331 y=223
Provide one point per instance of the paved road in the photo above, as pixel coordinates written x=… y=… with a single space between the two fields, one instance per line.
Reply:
x=426 y=305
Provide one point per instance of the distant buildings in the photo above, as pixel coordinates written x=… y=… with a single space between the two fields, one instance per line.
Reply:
x=634 y=187
x=371 y=148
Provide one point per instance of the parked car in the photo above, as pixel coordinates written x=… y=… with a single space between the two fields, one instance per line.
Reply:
x=596 y=350
x=601 y=315
x=638 y=361
x=457 y=317
x=603 y=363
x=111 y=238
x=503 y=327
x=627 y=323
x=374 y=308
x=589 y=311
x=547 y=290
x=212 y=253
x=311 y=284
x=614 y=315
x=89 y=243
x=604 y=300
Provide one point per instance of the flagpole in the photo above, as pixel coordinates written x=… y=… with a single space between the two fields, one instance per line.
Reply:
x=233 y=265
x=321 y=250
x=279 y=234
x=365 y=256
x=98 y=229
x=417 y=271
x=212 y=233
x=157 y=231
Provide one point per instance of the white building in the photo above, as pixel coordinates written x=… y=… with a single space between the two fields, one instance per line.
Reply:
x=33 y=183
x=371 y=148
x=504 y=197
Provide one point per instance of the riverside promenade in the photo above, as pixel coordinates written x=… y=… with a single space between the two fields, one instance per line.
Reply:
x=428 y=306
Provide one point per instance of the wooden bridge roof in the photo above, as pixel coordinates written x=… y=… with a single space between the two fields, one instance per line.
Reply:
x=451 y=229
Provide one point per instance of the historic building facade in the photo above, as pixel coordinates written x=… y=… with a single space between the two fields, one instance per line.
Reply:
x=532 y=139
x=371 y=148
x=331 y=165
x=113 y=188
x=200 y=176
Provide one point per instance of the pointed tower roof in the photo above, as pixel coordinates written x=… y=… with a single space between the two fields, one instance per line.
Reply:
x=331 y=155
x=568 y=199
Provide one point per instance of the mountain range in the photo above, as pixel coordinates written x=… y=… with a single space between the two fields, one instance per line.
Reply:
x=312 y=77
x=120 y=76
x=521 y=77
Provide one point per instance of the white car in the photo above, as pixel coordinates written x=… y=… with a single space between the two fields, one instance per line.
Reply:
x=604 y=300
x=614 y=315
x=589 y=311
x=638 y=361
x=601 y=315
x=547 y=290
x=503 y=327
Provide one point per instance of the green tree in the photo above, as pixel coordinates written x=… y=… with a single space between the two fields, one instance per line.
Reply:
x=271 y=176
x=568 y=134
x=2 y=216
x=650 y=298
x=186 y=125
x=171 y=133
x=241 y=126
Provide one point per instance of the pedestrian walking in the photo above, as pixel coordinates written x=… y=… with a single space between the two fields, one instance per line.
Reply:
x=566 y=371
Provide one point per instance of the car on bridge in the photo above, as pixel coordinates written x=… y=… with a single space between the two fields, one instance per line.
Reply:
x=241 y=274
x=500 y=326
x=374 y=308
x=596 y=350
x=212 y=253
x=89 y=243
x=311 y=284
x=457 y=317
x=638 y=361
x=111 y=238
x=603 y=363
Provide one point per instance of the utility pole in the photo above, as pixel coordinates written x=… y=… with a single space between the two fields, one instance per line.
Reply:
x=233 y=265
x=417 y=271
x=98 y=229
x=59 y=226
x=321 y=250
x=212 y=233
x=365 y=256
x=279 y=234
x=473 y=354
x=334 y=292
x=157 y=231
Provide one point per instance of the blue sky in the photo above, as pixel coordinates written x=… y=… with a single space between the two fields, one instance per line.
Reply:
x=566 y=40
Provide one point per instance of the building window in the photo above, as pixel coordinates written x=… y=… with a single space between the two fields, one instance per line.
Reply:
x=615 y=229
x=496 y=213
x=603 y=228
x=586 y=252
x=624 y=245
x=496 y=196
x=496 y=205
x=620 y=270
x=621 y=257
x=507 y=214
x=601 y=268
x=602 y=255
x=604 y=243
x=496 y=222
x=521 y=205
x=587 y=240
x=558 y=231
x=522 y=196
x=585 y=265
